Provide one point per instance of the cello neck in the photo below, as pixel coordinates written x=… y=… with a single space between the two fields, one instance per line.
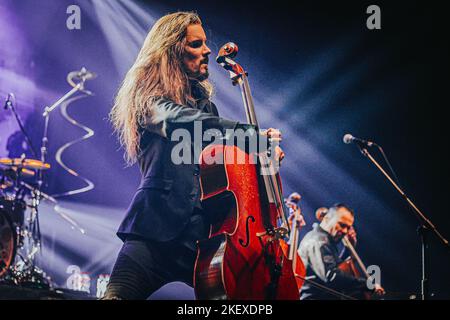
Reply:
x=269 y=174
x=355 y=255
x=293 y=241
x=248 y=100
x=270 y=180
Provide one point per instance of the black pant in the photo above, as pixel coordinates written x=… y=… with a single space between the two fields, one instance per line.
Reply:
x=144 y=266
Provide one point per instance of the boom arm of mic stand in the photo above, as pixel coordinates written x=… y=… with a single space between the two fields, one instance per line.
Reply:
x=78 y=87
x=427 y=223
x=425 y=226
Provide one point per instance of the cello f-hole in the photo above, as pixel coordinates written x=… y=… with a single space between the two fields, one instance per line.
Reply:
x=246 y=243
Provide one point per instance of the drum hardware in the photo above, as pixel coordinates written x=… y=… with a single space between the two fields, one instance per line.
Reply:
x=7 y=242
x=5 y=181
x=20 y=236
x=42 y=194
x=20 y=239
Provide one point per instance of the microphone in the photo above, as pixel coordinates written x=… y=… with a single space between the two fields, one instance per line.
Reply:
x=348 y=138
x=88 y=75
x=8 y=101
x=83 y=74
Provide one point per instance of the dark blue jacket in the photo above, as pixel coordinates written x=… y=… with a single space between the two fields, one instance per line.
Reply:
x=168 y=192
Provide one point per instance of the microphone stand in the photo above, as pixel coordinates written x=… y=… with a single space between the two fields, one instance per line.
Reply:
x=11 y=105
x=426 y=226
x=46 y=114
x=76 y=87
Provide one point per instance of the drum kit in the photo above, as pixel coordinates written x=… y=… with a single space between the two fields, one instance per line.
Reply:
x=20 y=238
x=21 y=180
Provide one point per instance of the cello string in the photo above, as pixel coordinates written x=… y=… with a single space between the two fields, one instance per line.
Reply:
x=355 y=255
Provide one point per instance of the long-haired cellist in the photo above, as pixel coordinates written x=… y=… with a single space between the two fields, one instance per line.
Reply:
x=166 y=89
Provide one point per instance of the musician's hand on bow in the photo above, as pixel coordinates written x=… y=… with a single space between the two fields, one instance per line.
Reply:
x=274 y=138
x=273 y=134
x=351 y=235
x=279 y=154
x=378 y=290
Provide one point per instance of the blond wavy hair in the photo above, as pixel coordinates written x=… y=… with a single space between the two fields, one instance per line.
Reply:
x=157 y=72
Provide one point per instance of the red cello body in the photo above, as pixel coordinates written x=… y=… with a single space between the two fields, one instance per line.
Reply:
x=241 y=259
x=297 y=266
x=291 y=249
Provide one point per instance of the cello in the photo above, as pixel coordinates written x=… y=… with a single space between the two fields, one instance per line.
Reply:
x=353 y=265
x=242 y=257
x=291 y=249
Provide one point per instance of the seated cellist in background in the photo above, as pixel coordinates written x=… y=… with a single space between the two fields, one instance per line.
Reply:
x=319 y=251
x=351 y=235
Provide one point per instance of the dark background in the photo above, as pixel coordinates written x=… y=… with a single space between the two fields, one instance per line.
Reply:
x=317 y=73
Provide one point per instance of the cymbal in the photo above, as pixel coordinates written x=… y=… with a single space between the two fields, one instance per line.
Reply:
x=32 y=164
x=25 y=172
